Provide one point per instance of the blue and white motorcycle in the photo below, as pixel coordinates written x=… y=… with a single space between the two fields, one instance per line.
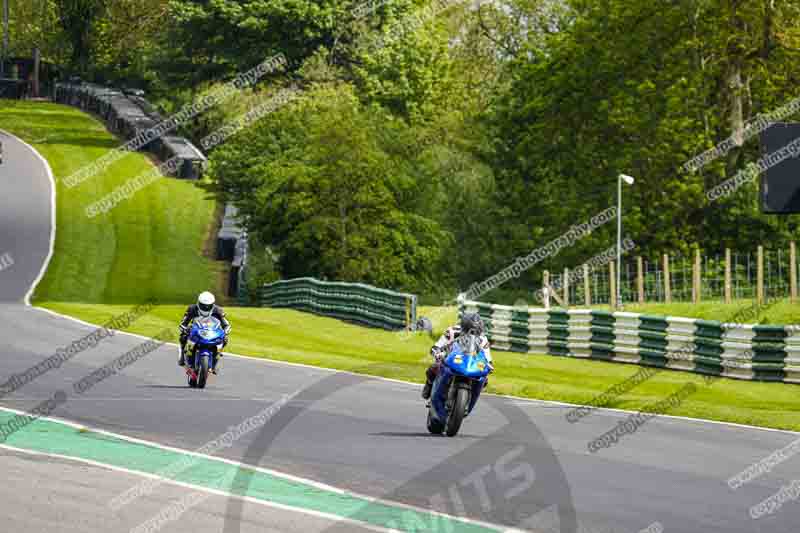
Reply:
x=458 y=385
x=205 y=337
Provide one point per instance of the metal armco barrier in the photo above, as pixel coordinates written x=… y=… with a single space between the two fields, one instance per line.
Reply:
x=741 y=351
x=354 y=302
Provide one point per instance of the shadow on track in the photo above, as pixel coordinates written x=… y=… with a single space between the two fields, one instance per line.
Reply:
x=518 y=471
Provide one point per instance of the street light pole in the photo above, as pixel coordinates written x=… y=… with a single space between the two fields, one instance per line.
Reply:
x=5 y=39
x=629 y=180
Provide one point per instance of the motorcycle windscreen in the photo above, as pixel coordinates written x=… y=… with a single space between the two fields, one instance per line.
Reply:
x=467 y=359
x=207 y=330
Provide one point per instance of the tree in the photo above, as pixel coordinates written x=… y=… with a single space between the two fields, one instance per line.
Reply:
x=211 y=39
x=34 y=24
x=126 y=39
x=77 y=19
x=639 y=88
x=333 y=201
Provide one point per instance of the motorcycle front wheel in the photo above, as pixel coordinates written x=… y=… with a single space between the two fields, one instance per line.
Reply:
x=202 y=373
x=456 y=415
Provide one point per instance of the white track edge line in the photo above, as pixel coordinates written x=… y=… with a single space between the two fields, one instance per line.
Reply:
x=268 y=471
x=200 y=488
x=49 y=256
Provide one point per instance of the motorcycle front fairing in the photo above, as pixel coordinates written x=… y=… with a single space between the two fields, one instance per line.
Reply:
x=206 y=335
x=470 y=364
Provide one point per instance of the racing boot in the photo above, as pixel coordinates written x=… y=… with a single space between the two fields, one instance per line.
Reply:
x=426 y=390
x=218 y=356
x=182 y=358
x=217 y=359
x=430 y=375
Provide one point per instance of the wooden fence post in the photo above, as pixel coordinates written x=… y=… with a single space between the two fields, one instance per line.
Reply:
x=566 y=287
x=667 y=290
x=697 y=287
x=612 y=285
x=727 y=275
x=546 y=288
x=760 y=276
x=587 y=295
x=640 y=278
x=792 y=272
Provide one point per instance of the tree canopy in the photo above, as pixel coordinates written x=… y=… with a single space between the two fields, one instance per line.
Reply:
x=435 y=142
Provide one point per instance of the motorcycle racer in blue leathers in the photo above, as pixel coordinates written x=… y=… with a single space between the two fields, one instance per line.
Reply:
x=469 y=323
x=204 y=307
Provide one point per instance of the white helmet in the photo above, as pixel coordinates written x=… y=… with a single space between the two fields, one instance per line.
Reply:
x=205 y=303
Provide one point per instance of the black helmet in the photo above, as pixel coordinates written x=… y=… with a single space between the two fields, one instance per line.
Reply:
x=471 y=323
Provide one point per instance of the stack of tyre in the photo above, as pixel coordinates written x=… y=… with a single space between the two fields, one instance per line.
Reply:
x=237 y=284
x=232 y=246
x=229 y=233
x=128 y=114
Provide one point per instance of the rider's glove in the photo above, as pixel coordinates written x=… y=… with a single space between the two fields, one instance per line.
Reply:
x=437 y=353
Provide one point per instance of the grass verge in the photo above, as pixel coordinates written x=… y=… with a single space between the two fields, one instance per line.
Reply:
x=781 y=312
x=147 y=246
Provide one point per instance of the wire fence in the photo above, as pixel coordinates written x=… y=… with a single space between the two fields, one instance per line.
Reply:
x=743 y=268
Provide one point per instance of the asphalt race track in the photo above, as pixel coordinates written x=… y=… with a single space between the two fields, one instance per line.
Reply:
x=516 y=463
x=25 y=226
x=36 y=498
